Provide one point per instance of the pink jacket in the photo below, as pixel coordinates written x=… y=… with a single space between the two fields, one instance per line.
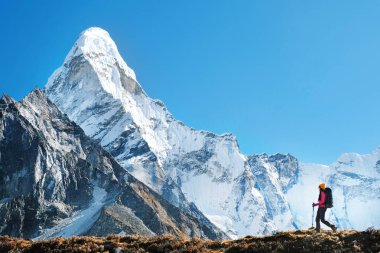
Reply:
x=321 y=203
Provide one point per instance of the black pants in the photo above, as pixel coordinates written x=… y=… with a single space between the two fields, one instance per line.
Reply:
x=321 y=217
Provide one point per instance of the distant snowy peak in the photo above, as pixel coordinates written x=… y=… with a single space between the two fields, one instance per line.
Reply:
x=362 y=164
x=94 y=84
x=284 y=168
x=96 y=42
x=96 y=47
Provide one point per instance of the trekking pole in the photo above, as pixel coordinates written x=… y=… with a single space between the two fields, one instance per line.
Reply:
x=312 y=219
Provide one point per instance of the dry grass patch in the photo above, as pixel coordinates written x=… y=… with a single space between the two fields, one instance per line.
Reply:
x=293 y=241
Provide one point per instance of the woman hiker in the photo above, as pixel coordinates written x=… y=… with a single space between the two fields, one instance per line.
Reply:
x=323 y=204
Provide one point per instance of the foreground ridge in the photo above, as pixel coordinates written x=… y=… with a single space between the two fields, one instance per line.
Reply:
x=293 y=241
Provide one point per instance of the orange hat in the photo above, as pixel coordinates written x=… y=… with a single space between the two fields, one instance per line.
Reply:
x=322 y=186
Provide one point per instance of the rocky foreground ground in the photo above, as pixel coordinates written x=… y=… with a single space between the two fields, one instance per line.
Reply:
x=294 y=241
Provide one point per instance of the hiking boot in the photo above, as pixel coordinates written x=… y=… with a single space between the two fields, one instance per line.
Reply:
x=318 y=230
x=333 y=227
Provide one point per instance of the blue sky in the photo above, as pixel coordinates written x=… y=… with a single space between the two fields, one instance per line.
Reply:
x=299 y=77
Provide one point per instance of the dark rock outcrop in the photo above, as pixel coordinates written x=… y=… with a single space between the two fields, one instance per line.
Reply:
x=56 y=181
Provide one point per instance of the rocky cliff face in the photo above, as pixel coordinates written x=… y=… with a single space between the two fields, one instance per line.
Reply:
x=56 y=181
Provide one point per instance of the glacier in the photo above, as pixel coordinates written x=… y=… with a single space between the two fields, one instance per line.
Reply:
x=194 y=169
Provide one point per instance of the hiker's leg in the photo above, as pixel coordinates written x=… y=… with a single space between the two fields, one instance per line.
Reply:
x=323 y=212
x=318 y=219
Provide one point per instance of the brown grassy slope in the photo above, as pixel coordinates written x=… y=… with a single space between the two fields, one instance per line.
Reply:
x=294 y=241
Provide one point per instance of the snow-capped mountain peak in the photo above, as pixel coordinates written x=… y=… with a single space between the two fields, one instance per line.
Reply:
x=93 y=40
x=362 y=164
x=181 y=163
x=241 y=194
x=96 y=47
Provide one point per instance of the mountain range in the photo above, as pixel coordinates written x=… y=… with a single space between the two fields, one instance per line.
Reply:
x=93 y=154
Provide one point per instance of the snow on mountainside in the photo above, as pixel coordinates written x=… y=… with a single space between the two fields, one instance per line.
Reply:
x=56 y=181
x=96 y=89
x=355 y=181
x=305 y=192
x=190 y=168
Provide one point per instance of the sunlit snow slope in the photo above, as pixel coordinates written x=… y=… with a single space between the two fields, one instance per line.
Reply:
x=355 y=181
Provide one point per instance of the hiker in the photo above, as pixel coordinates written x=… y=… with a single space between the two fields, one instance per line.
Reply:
x=324 y=202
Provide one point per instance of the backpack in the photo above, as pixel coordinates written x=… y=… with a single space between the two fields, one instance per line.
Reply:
x=329 y=198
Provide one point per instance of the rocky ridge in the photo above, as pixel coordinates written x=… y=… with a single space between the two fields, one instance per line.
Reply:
x=56 y=181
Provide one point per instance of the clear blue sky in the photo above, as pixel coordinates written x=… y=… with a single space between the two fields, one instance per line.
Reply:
x=285 y=76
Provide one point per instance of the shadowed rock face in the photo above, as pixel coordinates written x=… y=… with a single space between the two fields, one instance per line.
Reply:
x=56 y=181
